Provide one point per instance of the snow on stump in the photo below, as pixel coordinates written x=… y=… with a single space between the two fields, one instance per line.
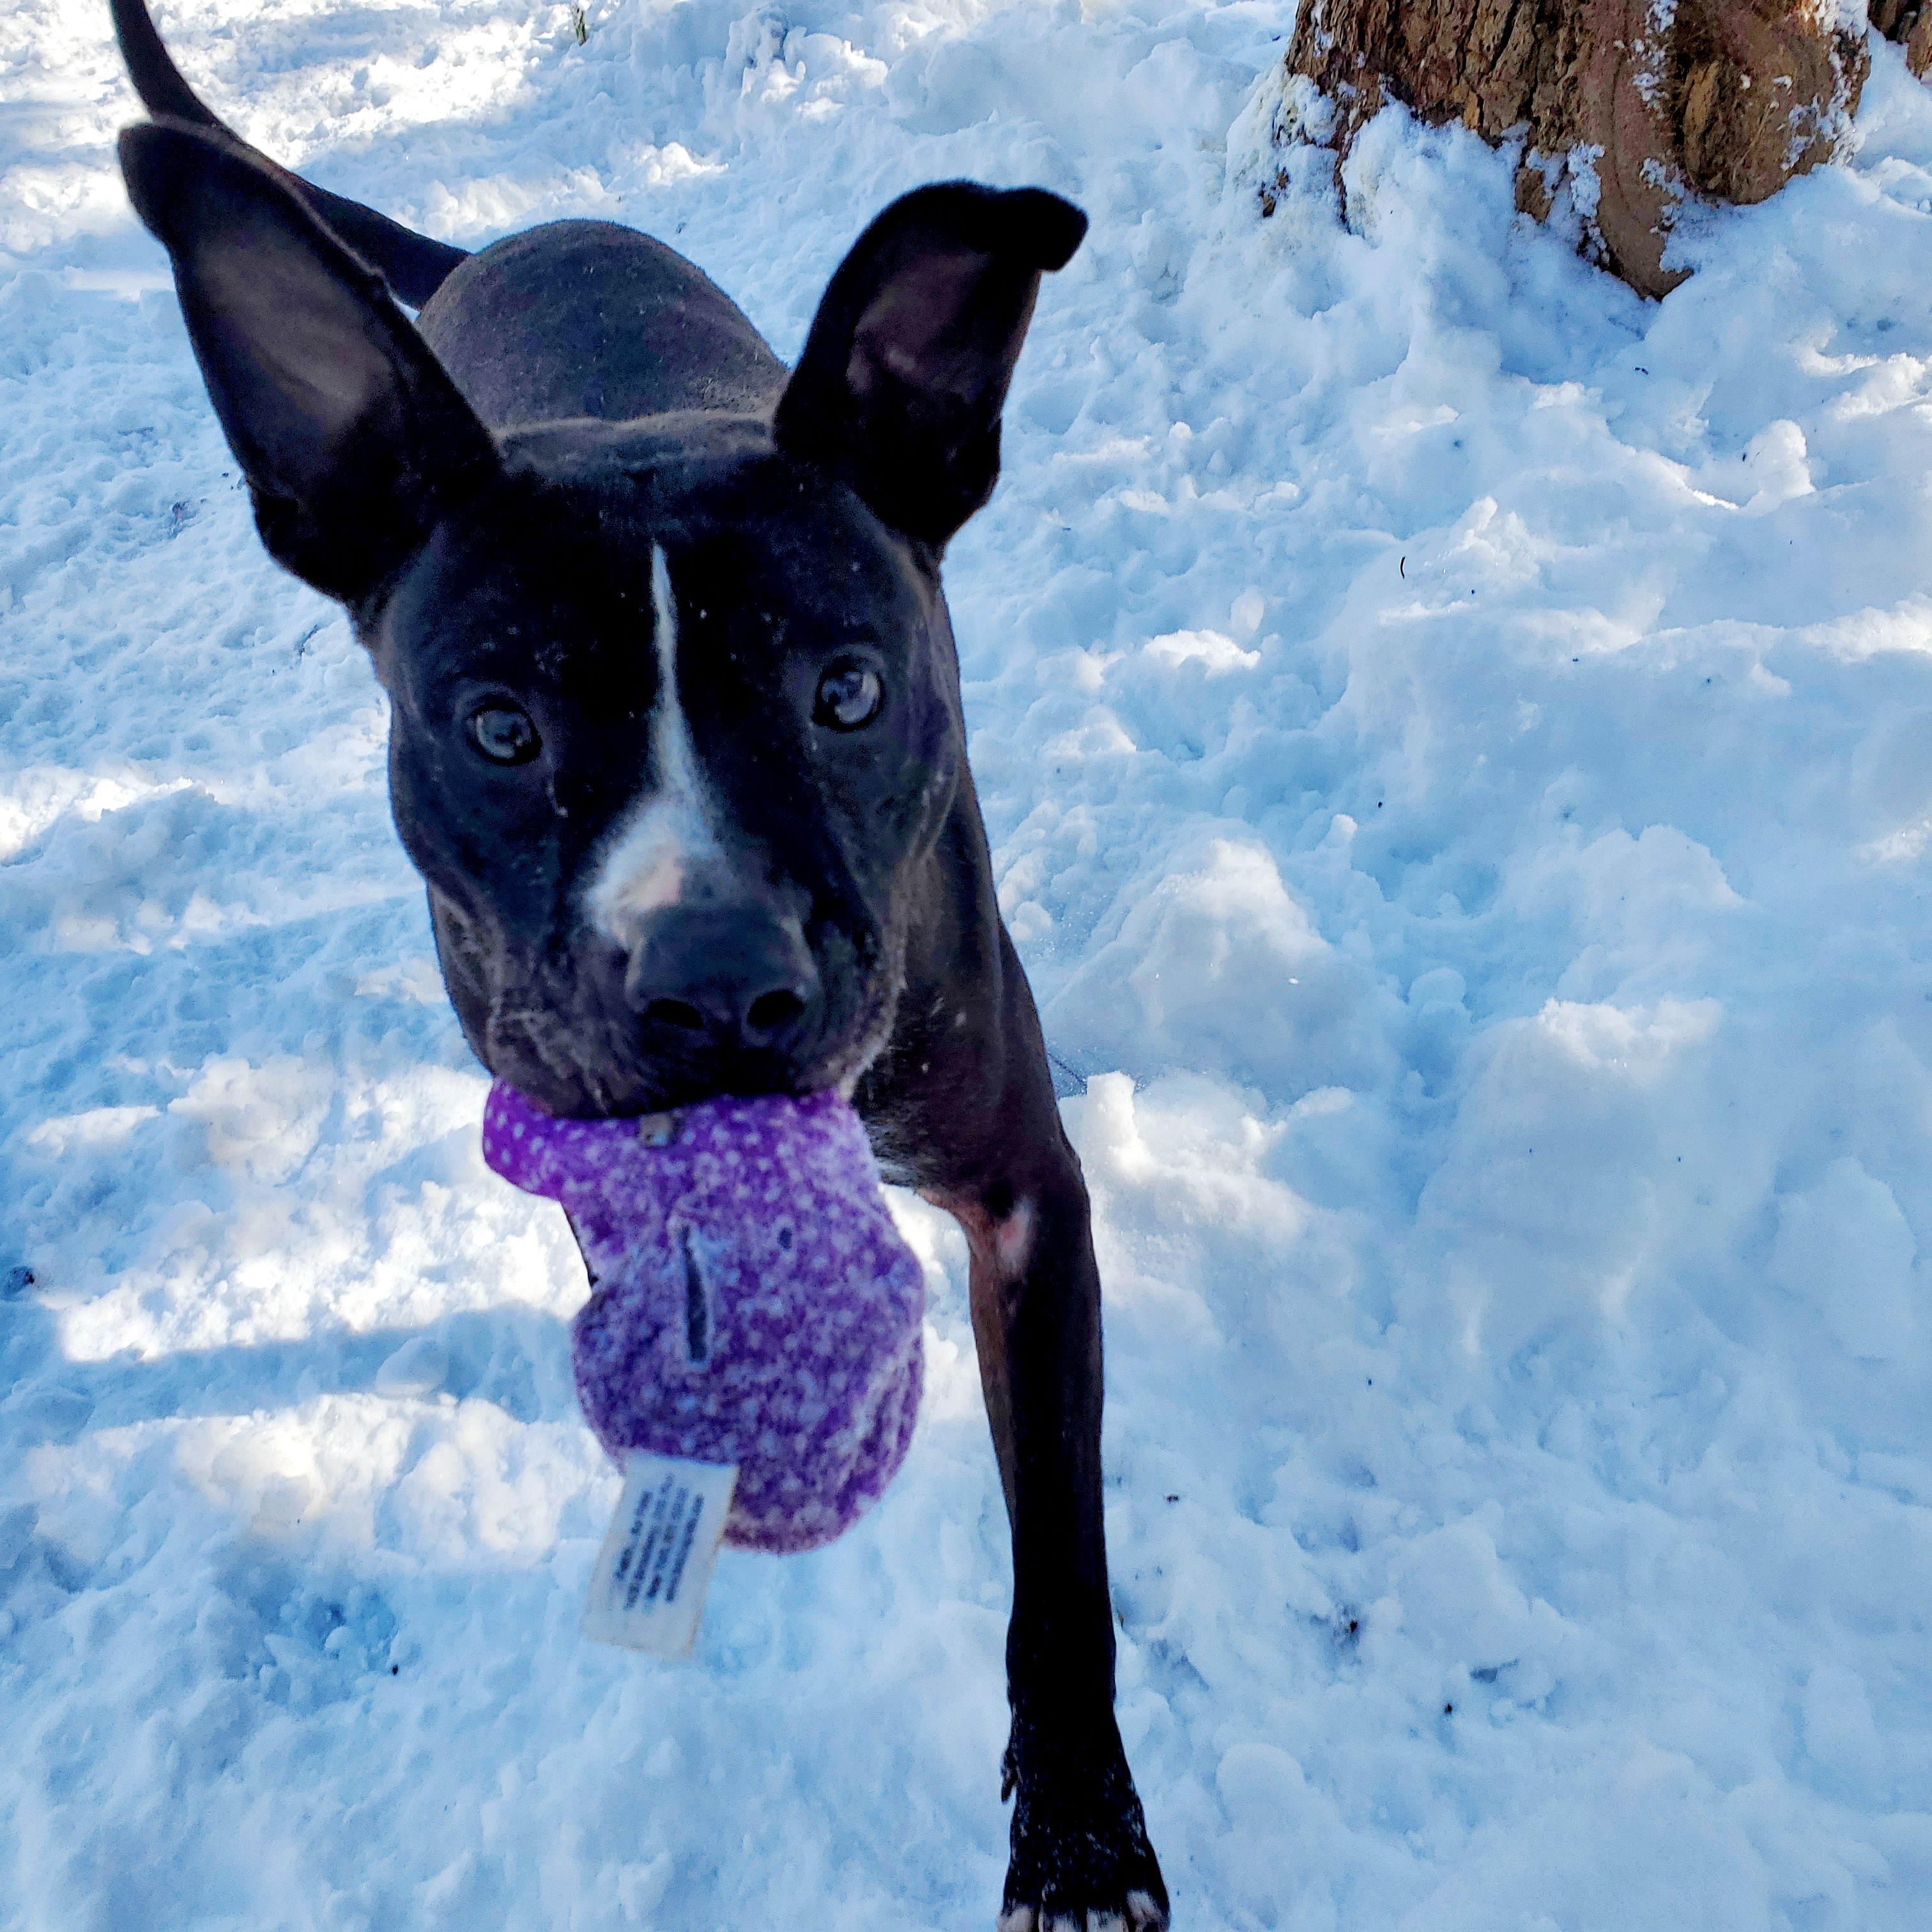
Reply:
x=1627 y=109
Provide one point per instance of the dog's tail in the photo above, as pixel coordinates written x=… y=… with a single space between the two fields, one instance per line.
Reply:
x=412 y=265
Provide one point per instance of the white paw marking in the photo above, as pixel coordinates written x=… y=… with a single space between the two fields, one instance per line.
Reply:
x=1105 y=1922
x=668 y=839
x=1143 y=1912
x=1021 y=1918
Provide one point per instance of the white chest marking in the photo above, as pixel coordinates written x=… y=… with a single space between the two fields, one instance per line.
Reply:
x=666 y=839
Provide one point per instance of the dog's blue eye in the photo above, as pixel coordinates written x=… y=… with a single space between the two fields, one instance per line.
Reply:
x=504 y=734
x=848 y=698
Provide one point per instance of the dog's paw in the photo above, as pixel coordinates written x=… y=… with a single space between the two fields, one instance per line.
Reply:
x=1081 y=1859
x=1144 y=1914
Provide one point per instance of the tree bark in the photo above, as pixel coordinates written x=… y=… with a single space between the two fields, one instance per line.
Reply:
x=1634 y=107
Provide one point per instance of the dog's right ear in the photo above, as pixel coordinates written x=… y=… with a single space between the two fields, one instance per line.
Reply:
x=353 y=438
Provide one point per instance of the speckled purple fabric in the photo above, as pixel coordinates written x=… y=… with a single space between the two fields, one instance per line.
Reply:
x=752 y=1301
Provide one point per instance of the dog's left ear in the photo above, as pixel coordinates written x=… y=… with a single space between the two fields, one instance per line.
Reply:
x=899 y=390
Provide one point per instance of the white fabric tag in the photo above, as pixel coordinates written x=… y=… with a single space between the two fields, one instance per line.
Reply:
x=647 y=1591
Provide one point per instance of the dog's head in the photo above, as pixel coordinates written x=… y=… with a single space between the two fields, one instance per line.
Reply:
x=676 y=712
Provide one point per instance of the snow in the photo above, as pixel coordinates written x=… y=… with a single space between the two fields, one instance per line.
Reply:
x=1457 y=742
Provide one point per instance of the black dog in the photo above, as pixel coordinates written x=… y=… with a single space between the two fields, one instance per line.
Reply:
x=677 y=744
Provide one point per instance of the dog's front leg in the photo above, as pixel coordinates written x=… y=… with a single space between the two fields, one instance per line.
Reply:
x=1080 y=1853
x=1081 y=1857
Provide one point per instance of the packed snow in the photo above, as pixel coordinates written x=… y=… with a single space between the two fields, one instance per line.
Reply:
x=1457 y=744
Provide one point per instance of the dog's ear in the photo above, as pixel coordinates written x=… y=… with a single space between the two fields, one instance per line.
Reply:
x=353 y=437
x=899 y=390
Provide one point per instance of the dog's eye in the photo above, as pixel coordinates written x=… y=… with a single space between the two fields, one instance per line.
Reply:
x=849 y=696
x=504 y=734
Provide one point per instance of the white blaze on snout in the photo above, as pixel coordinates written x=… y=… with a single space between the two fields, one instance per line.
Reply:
x=666 y=841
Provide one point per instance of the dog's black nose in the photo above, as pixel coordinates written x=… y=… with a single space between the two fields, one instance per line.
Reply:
x=736 y=976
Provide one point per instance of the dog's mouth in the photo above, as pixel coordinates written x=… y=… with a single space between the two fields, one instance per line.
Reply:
x=670 y=1056
x=577 y=1028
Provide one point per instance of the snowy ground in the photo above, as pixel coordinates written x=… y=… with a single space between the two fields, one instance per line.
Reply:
x=1458 y=745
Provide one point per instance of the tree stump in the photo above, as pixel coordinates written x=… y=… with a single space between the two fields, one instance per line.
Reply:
x=1634 y=107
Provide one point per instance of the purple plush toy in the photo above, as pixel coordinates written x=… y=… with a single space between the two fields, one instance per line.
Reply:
x=751 y=1300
